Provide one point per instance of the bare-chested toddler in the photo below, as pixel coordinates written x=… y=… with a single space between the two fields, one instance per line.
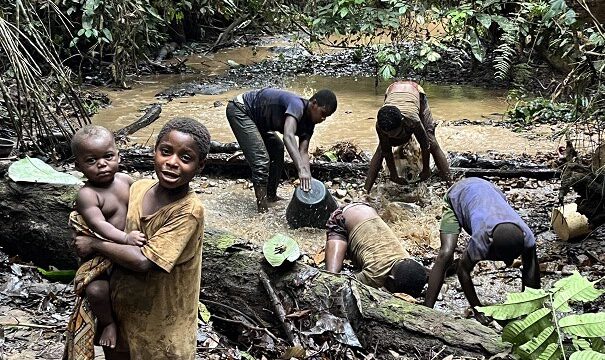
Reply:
x=103 y=204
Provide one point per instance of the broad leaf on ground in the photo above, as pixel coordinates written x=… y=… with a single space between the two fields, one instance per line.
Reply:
x=37 y=171
x=517 y=304
x=280 y=248
x=538 y=344
x=574 y=288
x=587 y=355
x=552 y=352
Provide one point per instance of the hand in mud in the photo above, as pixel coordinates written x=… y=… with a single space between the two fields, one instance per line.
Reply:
x=425 y=174
x=482 y=318
x=83 y=245
x=398 y=180
x=135 y=238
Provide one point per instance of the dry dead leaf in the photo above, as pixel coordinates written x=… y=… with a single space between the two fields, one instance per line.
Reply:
x=406 y=297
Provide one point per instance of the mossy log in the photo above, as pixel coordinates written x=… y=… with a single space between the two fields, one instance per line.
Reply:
x=34 y=221
x=35 y=218
x=381 y=321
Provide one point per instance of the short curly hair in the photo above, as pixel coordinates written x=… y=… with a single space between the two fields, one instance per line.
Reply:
x=88 y=131
x=407 y=276
x=190 y=126
x=326 y=98
x=389 y=118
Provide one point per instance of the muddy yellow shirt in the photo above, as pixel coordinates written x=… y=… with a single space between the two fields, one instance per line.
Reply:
x=156 y=311
x=408 y=102
x=375 y=249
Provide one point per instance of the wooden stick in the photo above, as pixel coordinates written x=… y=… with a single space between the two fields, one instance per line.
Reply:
x=279 y=308
x=35 y=326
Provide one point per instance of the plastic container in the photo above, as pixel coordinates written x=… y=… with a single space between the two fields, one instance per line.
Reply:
x=6 y=147
x=311 y=208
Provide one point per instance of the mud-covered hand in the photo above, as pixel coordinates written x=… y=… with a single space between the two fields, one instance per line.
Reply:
x=482 y=318
x=305 y=179
x=84 y=245
x=425 y=174
x=135 y=238
x=398 y=180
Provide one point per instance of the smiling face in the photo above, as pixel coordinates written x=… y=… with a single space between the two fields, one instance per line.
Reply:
x=176 y=160
x=98 y=159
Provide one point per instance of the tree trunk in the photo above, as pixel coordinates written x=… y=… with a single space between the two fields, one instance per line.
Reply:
x=380 y=320
x=36 y=229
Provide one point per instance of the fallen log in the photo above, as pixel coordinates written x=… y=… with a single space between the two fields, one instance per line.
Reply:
x=35 y=229
x=151 y=115
x=225 y=164
x=534 y=173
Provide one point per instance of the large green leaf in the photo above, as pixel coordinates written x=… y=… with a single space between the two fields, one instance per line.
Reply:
x=574 y=288
x=64 y=276
x=37 y=171
x=552 y=352
x=537 y=345
x=521 y=331
x=584 y=325
x=477 y=48
x=587 y=355
x=484 y=19
x=517 y=304
x=280 y=248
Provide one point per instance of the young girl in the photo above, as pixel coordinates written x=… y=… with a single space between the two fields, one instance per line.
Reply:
x=155 y=288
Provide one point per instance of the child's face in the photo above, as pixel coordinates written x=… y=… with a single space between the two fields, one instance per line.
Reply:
x=176 y=160
x=98 y=159
x=318 y=113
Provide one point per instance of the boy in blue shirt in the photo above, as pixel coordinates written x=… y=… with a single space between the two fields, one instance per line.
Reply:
x=497 y=233
x=257 y=115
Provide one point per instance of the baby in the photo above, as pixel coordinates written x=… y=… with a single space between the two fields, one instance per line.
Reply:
x=102 y=204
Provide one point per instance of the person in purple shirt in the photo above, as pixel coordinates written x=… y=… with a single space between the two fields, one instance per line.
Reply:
x=257 y=115
x=497 y=233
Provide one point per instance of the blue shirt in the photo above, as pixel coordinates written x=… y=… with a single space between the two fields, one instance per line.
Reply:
x=269 y=107
x=479 y=207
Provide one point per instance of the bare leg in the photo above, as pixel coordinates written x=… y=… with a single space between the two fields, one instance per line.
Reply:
x=441 y=162
x=97 y=293
x=442 y=262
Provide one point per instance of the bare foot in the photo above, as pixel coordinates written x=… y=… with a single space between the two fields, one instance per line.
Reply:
x=274 y=199
x=109 y=335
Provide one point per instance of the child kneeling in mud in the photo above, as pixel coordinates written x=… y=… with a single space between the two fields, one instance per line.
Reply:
x=101 y=207
x=155 y=288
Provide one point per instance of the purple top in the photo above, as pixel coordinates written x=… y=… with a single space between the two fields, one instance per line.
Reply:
x=479 y=207
x=269 y=107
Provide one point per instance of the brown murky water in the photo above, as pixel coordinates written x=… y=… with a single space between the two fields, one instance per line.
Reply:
x=354 y=120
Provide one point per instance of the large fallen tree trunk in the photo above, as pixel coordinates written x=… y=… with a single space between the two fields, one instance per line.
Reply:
x=35 y=229
x=381 y=321
x=234 y=165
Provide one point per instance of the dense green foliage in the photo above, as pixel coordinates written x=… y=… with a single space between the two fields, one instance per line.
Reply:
x=540 y=332
x=405 y=36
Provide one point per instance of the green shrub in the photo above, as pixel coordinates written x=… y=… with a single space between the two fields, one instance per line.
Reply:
x=541 y=326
